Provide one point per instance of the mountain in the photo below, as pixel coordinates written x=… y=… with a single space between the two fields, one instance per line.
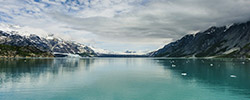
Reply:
x=53 y=45
x=24 y=51
x=226 y=41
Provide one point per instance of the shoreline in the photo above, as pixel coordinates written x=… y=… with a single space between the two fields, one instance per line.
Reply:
x=3 y=57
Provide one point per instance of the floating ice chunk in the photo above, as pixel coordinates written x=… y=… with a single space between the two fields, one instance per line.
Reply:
x=172 y=61
x=183 y=74
x=243 y=62
x=173 y=65
x=233 y=76
x=211 y=64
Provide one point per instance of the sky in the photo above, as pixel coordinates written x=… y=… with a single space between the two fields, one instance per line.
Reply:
x=120 y=25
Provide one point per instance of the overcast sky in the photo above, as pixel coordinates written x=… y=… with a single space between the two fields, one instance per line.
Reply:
x=120 y=25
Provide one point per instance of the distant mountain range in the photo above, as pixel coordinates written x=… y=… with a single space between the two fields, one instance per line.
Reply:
x=56 y=46
x=22 y=43
x=226 y=41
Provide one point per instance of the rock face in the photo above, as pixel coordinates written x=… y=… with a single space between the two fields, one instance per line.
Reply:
x=24 y=51
x=45 y=44
x=226 y=41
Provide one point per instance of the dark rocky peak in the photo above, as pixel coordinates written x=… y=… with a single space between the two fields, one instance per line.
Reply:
x=215 y=41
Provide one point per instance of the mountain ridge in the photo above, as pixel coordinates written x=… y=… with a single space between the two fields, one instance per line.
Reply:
x=7 y=51
x=224 y=41
x=45 y=45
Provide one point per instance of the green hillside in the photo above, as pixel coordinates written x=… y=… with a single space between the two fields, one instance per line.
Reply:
x=26 y=51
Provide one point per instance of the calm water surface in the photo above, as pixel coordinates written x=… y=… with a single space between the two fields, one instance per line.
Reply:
x=124 y=79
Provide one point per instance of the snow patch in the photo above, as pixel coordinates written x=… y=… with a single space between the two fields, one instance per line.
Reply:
x=22 y=30
x=231 y=50
x=70 y=55
x=101 y=51
x=104 y=51
x=228 y=26
x=2 y=37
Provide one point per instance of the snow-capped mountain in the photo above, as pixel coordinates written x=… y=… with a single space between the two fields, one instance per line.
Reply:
x=226 y=41
x=103 y=53
x=15 y=36
x=22 y=30
x=99 y=51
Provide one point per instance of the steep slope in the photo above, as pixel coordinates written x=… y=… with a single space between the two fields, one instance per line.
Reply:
x=24 y=51
x=226 y=41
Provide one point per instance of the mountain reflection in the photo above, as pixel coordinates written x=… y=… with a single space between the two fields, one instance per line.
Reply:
x=12 y=70
x=124 y=79
x=215 y=72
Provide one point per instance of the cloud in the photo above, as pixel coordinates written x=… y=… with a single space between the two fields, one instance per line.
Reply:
x=160 y=19
x=140 y=22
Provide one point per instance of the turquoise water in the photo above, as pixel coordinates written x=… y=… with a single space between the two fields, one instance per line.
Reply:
x=124 y=79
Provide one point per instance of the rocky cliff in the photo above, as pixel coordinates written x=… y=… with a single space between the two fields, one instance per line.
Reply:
x=226 y=41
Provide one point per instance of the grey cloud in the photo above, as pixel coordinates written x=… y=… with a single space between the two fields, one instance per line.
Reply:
x=135 y=21
x=163 y=19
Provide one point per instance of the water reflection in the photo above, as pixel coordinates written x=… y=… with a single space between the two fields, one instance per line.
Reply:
x=124 y=79
x=18 y=70
x=215 y=73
